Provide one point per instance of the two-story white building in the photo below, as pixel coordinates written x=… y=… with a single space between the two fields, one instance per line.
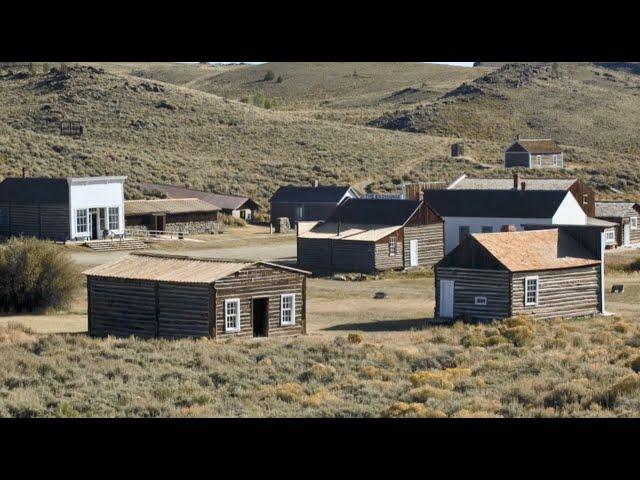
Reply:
x=61 y=209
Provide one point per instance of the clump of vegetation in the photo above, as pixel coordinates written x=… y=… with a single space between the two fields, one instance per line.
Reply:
x=355 y=338
x=231 y=221
x=415 y=410
x=269 y=76
x=260 y=99
x=518 y=330
x=35 y=275
x=279 y=79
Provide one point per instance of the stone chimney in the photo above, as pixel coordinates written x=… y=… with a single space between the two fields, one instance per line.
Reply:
x=314 y=183
x=516 y=181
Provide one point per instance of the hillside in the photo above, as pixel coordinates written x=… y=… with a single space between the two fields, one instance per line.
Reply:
x=154 y=131
x=593 y=111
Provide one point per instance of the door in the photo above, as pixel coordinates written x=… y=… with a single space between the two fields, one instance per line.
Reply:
x=626 y=235
x=413 y=248
x=95 y=224
x=260 y=317
x=161 y=221
x=446 y=298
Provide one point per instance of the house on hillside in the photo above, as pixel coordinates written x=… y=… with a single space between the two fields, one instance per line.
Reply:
x=534 y=153
x=584 y=195
x=625 y=217
x=367 y=236
x=186 y=215
x=62 y=209
x=546 y=273
x=231 y=205
x=312 y=203
x=486 y=211
x=160 y=296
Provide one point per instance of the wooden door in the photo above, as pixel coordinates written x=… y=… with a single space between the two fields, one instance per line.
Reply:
x=447 y=288
x=413 y=249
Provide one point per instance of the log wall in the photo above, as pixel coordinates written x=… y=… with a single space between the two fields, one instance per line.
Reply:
x=430 y=244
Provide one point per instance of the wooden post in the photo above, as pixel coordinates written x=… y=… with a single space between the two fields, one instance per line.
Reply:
x=304 y=305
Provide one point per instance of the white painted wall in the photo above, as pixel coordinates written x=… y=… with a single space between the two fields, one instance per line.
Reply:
x=569 y=212
x=97 y=192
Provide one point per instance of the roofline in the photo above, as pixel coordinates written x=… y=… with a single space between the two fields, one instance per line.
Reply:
x=202 y=191
x=457 y=181
x=88 y=180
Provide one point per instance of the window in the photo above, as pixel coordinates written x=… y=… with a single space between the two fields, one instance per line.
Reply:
x=531 y=291
x=481 y=300
x=585 y=199
x=114 y=218
x=539 y=160
x=393 y=246
x=487 y=229
x=288 y=309
x=463 y=233
x=82 y=225
x=232 y=315
x=555 y=160
x=633 y=222
x=299 y=212
x=610 y=236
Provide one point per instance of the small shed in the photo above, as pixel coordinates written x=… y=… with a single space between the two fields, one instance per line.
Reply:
x=151 y=295
x=625 y=217
x=534 y=153
x=547 y=273
x=186 y=215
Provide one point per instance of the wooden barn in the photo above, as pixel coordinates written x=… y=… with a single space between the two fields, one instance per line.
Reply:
x=151 y=296
x=534 y=153
x=546 y=273
x=625 y=217
x=308 y=203
x=186 y=215
x=367 y=236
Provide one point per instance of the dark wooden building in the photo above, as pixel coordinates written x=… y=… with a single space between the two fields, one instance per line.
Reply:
x=546 y=273
x=149 y=296
x=625 y=217
x=186 y=215
x=366 y=236
x=312 y=203
x=534 y=153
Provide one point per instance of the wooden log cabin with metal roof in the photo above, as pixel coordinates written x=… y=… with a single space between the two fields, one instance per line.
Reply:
x=186 y=215
x=150 y=296
x=371 y=235
x=625 y=217
x=534 y=153
x=545 y=273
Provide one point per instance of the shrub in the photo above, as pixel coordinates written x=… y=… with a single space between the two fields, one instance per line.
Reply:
x=231 y=221
x=518 y=330
x=35 y=275
x=355 y=338
x=565 y=394
x=635 y=365
x=269 y=76
x=627 y=385
x=418 y=410
x=279 y=80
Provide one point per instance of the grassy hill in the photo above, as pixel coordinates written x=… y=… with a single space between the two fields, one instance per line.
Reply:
x=153 y=131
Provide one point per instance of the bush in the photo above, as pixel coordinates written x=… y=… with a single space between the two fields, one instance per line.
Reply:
x=279 y=80
x=35 y=275
x=233 y=221
x=518 y=330
x=269 y=76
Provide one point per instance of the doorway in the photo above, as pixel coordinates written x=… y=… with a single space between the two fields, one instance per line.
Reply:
x=447 y=287
x=95 y=223
x=260 y=317
x=161 y=222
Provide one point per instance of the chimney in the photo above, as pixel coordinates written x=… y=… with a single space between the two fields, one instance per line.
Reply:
x=524 y=186
x=508 y=228
x=314 y=183
x=516 y=181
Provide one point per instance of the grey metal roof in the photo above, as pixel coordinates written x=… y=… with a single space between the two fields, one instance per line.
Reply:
x=507 y=184
x=226 y=202
x=615 y=209
x=375 y=211
x=320 y=194
x=34 y=190
x=495 y=203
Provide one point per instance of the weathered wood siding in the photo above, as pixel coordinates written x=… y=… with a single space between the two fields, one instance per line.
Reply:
x=430 y=244
x=472 y=283
x=562 y=293
x=383 y=260
x=260 y=281
x=585 y=196
x=183 y=310
x=324 y=256
x=121 y=308
x=49 y=221
x=314 y=254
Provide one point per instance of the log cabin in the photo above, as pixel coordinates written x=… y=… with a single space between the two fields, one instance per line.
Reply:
x=544 y=273
x=163 y=296
x=368 y=236
x=185 y=215
x=62 y=209
x=534 y=153
x=625 y=216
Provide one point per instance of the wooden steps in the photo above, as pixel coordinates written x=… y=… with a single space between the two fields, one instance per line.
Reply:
x=116 y=245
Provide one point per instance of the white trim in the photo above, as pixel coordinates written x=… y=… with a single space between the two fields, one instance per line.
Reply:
x=235 y=329
x=538 y=160
x=292 y=321
x=395 y=245
x=481 y=301
x=527 y=303
x=633 y=223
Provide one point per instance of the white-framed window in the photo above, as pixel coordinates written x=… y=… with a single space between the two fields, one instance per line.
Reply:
x=114 y=218
x=393 y=246
x=539 y=160
x=481 y=301
x=82 y=224
x=531 y=287
x=610 y=236
x=633 y=223
x=555 y=161
x=288 y=309
x=232 y=315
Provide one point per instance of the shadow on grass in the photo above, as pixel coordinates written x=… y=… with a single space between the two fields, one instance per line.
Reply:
x=387 y=325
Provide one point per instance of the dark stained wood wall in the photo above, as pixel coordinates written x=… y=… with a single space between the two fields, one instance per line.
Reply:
x=585 y=196
x=50 y=221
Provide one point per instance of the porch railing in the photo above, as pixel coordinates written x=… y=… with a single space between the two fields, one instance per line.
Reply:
x=155 y=234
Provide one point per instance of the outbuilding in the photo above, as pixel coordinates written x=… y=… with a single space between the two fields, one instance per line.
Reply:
x=308 y=203
x=186 y=215
x=367 y=236
x=625 y=217
x=151 y=295
x=545 y=273
x=534 y=153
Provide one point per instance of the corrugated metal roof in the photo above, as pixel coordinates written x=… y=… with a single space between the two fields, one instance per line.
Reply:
x=536 y=250
x=540 y=145
x=177 y=205
x=495 y=203
x=227 y=202
x=614 y=209
x=507 y=184
x=321 y=194
x=349 y=231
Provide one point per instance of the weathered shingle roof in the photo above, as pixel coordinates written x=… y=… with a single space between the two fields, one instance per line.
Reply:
x=615 y=209
x=350 y=231
x=536 y=250
x=226 y=202
x=176 y=205
x=34 y=190
x=174 y=269
x=375 y=212
x=539 y=145
x=320 y=194
x=495 y=203
x=507 y=184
